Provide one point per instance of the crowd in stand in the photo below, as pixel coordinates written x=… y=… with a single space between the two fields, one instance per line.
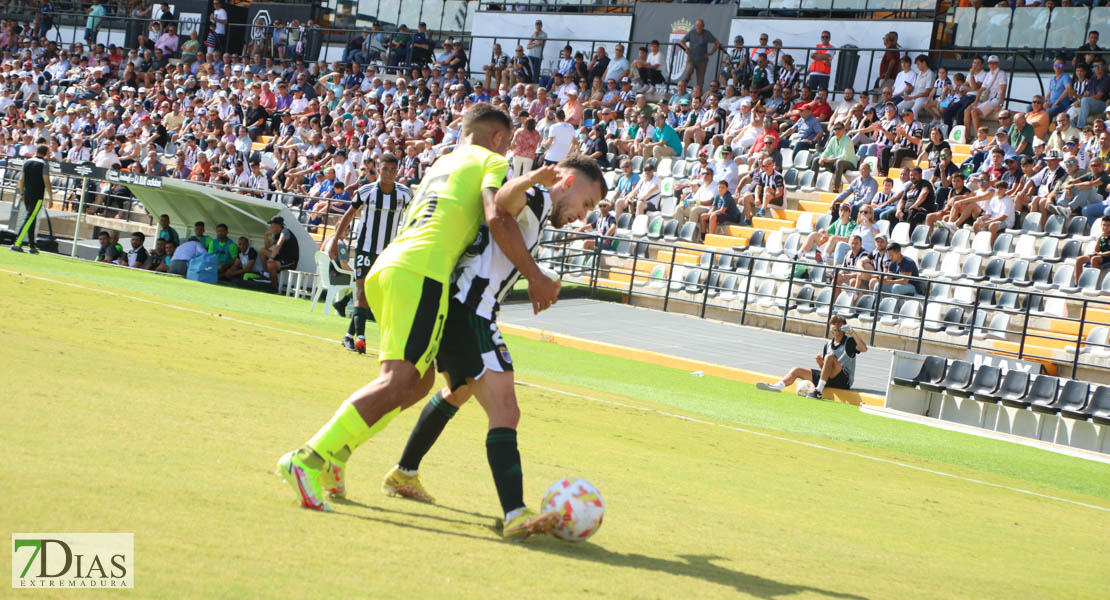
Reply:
x=273 y=124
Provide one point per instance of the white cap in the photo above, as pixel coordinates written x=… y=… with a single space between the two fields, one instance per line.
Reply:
x=992 y=58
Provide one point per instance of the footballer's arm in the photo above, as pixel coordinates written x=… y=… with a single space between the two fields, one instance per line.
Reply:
x=501 y=207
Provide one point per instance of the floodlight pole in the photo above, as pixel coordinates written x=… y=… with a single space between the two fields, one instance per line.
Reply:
x=80 y=212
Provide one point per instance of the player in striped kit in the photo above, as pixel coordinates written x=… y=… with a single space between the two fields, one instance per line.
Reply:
x=385 y=202
x=473 y=356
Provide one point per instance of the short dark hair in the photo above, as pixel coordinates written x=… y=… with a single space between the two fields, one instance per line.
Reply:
x=42 y=150
x=103 y=234
x=588 y=167
x=484 y=114
x=894 y=247
x=142 y=236
x=224 y=225
x=389 y=157
x=201 y=223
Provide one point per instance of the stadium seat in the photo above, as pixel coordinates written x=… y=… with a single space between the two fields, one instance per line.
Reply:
x=1099 y=406
x=980 y=244
x=1061 y=277
x=823 y=221
x=1077 y=227
x=591 y=218
x=960 y=241
x=801 y=160
x=824 y=181
x=639 y=227
x=958 y=135
x=1002 y=244
x=910 y=314
x=822 y=300
x=688 y=231
x=323 y=284
x=1019 y=274
x=805 y=300
x=1087 y=284
x=758 y=239
x=705 y=260
x=624 y=248
x=637 y=164
x=655 y=228
x=865 y=308
x=664 y=167
x=787 y=158
x=920 y=236
x=972 y=267
x=901 y=234
x=713 y=285
x=670 y=231
x=995 y=271
x=792 y=244
x=643 y=250
x=1072 y=398
x=1031 y=224
x=805 y=183
x=691 y=152
x=1012 y=391
x=790 y=179
x=1042 y=390
x=929 y=262
x=1053 y=227
x=888 y=306
x=678 y=276
x=765 y=294
x=1049 y=250
x=657 y=278
x=939 y=237
x=985 y=299
x=693 y=281
x=804 y=224
x=949 y=267
x=1096 y=342
x=667 y=188
x=997 y=327
x=624 y=223
x=986 y=381
x=958 y=375
x=678 y=169
x=1070 y=250
x=932 y=371
x=725 y=262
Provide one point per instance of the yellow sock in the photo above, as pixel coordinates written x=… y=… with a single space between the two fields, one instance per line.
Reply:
x=346 y=431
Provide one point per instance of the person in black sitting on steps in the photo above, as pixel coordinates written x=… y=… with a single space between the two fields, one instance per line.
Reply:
x=836 y=363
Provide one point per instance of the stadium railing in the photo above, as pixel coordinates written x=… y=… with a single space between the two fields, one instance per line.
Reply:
x=775 y=292
x=69 y=190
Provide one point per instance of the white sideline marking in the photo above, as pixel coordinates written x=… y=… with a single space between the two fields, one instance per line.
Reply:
x=602 y=401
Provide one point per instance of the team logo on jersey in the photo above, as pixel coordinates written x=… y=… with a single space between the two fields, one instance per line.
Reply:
x=504 y=352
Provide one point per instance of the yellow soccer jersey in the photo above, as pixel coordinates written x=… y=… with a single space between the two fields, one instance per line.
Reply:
x=444 y=217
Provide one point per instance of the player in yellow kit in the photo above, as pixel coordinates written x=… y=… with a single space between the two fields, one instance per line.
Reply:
x=408 y=293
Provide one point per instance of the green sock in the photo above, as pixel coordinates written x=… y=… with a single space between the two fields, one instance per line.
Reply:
x=345 y=432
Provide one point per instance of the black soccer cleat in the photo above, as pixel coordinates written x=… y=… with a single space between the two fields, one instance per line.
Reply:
x=33 y=250
x=349 y=343
x=17 y=248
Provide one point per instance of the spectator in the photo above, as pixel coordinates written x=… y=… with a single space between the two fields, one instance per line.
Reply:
x=696 y=44
x=899 y=264
x=110 y=251
x=922 y=89
x=836 y=363
x=525 y=141
x=281 y=252
x=990 y=96
x=1063 y=132
x=913 y=203
x=697 y=202
x=160 y=259
x=1020 y=134
x=618 y=68
x=724 y=210
x=559 y=140
x=497 y=68
x=1100 y=257
x=137 y=256
x=906 y=140
x=92 y=23
x=606 y=225
x=860 y=192
x=179 y=263
x=1087 y=53
x=837 y=231
x=645 y=196
x=769 y=191
x=1059 y=94
x=998 y=214
x=804 y=134
x=535 y=47
x=246 y=265
x=664 y=141
x=223 y=247
x=821 y=67
x=839 y=155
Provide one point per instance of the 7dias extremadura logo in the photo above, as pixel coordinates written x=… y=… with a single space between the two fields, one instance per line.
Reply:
x=73 y=560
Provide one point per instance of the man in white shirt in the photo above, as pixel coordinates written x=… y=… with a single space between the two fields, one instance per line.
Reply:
x=843 y=110
x=904 y=81
x=560 y=139
x=922 y=87
x=644 y=197
x=727 y=170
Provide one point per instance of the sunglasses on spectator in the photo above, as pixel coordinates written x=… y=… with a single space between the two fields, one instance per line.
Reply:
x=1069 y=162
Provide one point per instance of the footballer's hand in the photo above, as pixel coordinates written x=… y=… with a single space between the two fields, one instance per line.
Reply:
x=543 y=292
x=545 y=176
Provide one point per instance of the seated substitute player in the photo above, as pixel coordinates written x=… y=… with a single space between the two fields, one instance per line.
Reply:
x=836 y=363
x=385 y=202
x=473 y=355
x=408 y=287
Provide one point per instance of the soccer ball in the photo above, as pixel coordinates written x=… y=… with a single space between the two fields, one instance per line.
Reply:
x=804 y=386
x=580 y=506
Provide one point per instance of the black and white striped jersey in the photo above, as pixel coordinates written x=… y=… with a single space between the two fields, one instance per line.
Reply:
x=484 y=275
x=382 y=218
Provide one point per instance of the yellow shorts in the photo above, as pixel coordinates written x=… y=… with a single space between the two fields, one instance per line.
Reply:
x=410 y=310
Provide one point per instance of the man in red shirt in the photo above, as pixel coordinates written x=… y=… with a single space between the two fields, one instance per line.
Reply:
x=821 y=67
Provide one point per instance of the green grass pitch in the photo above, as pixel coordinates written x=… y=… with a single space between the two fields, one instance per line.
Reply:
x=158 y=406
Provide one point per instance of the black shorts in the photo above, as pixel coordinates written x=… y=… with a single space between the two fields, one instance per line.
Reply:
x=363 y=262
x=839 y=382
x=471 y=345
x=286 y=266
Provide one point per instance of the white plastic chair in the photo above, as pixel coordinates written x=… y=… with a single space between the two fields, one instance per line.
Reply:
x=901 y=234
x=323 y=282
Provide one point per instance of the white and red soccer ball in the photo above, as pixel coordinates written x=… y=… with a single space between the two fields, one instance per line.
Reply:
x=580 y=506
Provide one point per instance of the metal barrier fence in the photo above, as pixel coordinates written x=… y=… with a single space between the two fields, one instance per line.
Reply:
x=1029 y=27
x=800 y=292
x=96 y=196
